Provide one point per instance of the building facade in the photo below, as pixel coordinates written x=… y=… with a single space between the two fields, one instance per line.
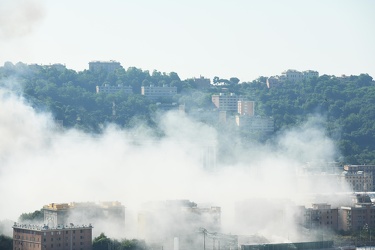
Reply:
x=359 y=215
x=109 y=89
x=109 y=215
x=256 y=123
x=321 y=216
x=294 y=75
x=107 y=66
x=359 y=181
x=226 y=102
x=153 y=92
x=31 y=237
x=245 y=107
x=367 y=169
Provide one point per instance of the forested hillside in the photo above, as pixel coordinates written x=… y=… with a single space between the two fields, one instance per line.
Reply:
x=347 y=103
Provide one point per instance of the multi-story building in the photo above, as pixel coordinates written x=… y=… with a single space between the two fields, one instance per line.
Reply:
x=108 y=66
x=255 y=124
x=154 y=93
x=105 y=214
x=109 y=89
x=368 y=169
x=359 y=181
x=359 y=215
x=294 y=75
x=226 y=102
x=31 y=237
x=321 y=216
x=245 y=107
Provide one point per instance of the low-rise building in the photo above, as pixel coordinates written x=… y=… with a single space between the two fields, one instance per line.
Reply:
x=154 y=92
x=109 y=89
x=32 y=237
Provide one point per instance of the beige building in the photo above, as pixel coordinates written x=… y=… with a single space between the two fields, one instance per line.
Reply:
x=294 y=75
x=31 y=237
x=226 y=102
x=245 y=107
x=103 y=215
x=153 y=92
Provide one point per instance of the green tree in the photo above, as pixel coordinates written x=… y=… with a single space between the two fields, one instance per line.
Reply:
x=6 y=242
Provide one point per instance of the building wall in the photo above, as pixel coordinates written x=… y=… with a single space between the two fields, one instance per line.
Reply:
x=245 y=107
x=226 y=102
x=365 y=168
x=153 y=92
x=255 y=123
x=35 y=238
x=359 y=181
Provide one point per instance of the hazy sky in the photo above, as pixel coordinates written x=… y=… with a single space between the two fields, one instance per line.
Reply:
x=242 y=38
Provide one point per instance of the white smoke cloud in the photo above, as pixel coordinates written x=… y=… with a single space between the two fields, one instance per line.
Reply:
x=41 y=164
x=18 y=17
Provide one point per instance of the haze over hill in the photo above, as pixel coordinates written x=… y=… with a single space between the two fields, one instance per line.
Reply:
x=42 y=164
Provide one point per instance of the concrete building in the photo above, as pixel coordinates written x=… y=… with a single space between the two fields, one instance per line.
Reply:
x=255 y=124
x=321 y=216
x=359 y=181
x=368 y=169
x=154 y=93
x=359 y=215
x=310 y=74
x=109 y=215
x=294 y=75
x=109 y=89
x=107 y=66
x=32 y=237
x=245 y=107
x=226 y=102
